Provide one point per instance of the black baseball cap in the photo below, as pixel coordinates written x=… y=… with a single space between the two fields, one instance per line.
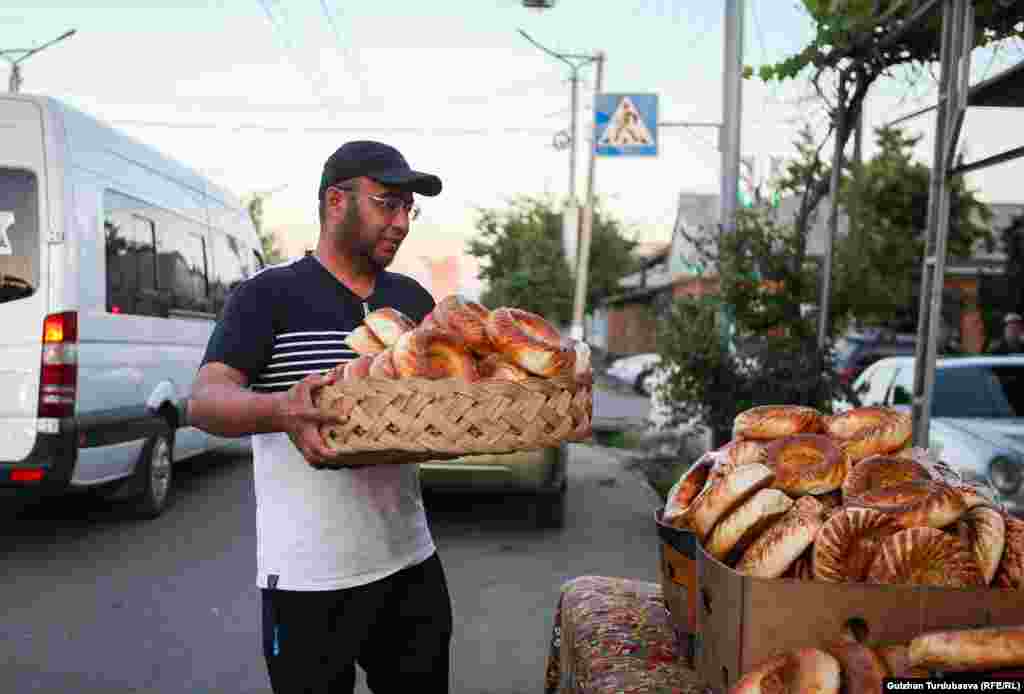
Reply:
x=383 y=163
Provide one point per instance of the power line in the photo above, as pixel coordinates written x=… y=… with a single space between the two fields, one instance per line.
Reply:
x=346 y=49
x=316 y=130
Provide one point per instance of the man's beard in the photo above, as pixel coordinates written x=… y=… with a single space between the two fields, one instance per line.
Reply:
x=351 y=243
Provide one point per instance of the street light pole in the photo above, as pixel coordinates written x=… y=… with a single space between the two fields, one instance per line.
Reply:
x=583 y=261
x=570 y=224
x=15 y=81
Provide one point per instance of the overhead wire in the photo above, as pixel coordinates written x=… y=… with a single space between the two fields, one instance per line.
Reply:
x=315 y=130
x=355 y=66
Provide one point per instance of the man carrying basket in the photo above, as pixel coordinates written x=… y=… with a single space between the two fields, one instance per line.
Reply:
x=346 y=563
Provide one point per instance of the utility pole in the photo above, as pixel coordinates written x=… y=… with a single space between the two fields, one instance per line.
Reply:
x=15 y=81
x=729 y=143
x=583 y=262
x=571 y=227
x=954 y=57
x=833 y=215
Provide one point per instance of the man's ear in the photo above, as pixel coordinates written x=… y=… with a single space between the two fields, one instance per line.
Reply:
x=334 y=199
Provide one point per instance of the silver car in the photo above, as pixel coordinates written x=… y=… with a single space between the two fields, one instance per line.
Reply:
x=977 y=416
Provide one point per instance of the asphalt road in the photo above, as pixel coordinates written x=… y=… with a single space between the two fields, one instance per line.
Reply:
x=96 y=603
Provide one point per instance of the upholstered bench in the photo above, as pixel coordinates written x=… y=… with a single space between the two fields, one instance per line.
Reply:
x=613 y=635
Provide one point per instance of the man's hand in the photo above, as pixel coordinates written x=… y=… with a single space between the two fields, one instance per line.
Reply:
x=301 y=420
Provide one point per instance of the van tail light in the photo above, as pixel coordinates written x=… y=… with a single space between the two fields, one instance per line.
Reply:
x=58 y=383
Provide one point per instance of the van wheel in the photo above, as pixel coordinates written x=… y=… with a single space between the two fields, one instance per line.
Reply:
x=155 y=474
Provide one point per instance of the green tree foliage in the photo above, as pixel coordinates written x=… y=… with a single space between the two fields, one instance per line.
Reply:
x=878 y=262
x=271 y=252
x=873 y=34
x=523 y=264
x=765 y=278
x=855 y=43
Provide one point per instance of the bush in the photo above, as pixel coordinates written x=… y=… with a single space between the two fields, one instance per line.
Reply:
x=710 y=383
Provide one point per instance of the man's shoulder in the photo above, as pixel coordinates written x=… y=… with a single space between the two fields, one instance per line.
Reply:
x=272 y=277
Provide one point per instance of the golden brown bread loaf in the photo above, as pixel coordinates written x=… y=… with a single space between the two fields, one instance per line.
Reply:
x=466 y=318
x=806 y=464
x=866 y=431
x=434 y=354
x=364 y=342
x=880 y=472
x=862 y=670
x=531 y=342
x=775 y=550
x=832 y=502
x=724 y=494
x=897 y=661
x=746 y=522
x=737 y=453
x=768 y=422
x=975 y=494
x=926 y=557
x=848 y=542
x=1011 y=567
x=386 y=324
x=685 y=490
x=983 y=530
x=918 y=503
x=802 y=569
x=804 y=670
x=497 y=366
x=967 y=650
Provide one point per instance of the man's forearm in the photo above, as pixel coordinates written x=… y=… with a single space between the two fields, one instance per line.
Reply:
x=225 y=410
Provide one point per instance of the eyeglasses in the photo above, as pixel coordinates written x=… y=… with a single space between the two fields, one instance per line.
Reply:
x=390 y=204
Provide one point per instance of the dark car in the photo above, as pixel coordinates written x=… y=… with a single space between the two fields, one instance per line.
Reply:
x=857 y=351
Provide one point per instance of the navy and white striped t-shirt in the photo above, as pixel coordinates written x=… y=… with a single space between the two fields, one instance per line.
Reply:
x=289 y=321
x=319 y=529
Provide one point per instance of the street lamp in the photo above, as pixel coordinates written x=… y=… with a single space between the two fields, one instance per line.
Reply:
x=575 y=63
x=570 y=221
x=14 y=85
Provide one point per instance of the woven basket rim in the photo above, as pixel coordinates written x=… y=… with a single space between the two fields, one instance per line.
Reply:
x=410 y=420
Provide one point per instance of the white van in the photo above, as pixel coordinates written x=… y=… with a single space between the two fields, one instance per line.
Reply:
x=114 y=263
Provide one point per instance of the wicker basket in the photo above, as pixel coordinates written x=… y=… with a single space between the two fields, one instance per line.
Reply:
x=415 y=419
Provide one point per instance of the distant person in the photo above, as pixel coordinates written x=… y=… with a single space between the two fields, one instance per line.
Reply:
x=1013 y=336
x=345 y=559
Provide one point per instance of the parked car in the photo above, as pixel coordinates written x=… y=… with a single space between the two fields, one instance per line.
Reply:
x=857 y=351
x=541 y=474
x=977 y=414
x=636 y=370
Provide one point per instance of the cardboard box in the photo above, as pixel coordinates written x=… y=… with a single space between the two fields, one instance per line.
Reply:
x=745 y=620
x=677 y=570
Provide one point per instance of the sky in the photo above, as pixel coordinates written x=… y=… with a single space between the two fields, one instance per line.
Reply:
x=256 y=94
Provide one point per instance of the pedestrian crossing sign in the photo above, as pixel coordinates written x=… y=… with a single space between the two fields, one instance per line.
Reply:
x=626 y=124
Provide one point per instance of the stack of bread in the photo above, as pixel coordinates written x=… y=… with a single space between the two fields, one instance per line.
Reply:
x=850 y=665
x=463 y=339
x=797 y=494
x=465 y=380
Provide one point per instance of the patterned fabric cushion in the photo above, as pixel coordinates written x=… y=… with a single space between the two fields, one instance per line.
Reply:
x=613 y=635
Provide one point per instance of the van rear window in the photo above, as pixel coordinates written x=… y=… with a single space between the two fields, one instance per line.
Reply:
x=19 y=234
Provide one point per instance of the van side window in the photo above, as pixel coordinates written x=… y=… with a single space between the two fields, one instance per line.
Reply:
x=156 y=260
x=231 y=265
x=181 y=264
x=131 y=259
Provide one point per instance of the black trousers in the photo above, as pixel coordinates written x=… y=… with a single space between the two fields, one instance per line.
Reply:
x=397 y=629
